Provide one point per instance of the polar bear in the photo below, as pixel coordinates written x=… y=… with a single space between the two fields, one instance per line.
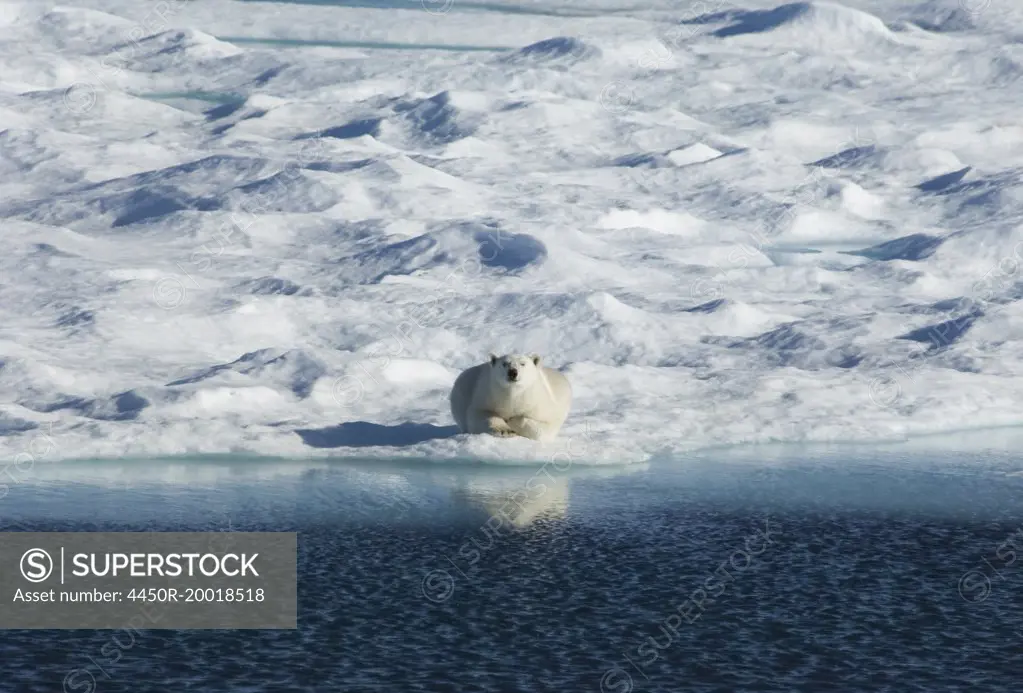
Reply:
x=511 y=395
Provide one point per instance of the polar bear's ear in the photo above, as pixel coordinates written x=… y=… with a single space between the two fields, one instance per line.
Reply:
x=493 y=359
x=536 y=359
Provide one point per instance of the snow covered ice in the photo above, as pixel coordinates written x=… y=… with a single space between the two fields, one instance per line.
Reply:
x=284 y=228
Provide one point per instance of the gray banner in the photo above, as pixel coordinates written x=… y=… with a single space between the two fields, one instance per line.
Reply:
x=142 y=580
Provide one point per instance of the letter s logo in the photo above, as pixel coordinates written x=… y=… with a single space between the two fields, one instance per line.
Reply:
x=36 y=565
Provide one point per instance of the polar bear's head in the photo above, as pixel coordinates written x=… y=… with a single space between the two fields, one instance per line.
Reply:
x=514 y=370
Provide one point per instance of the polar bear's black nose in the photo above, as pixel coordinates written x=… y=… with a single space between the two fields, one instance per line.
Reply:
x=512 y=374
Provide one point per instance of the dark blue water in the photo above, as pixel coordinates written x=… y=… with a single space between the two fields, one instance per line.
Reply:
x=874 y=575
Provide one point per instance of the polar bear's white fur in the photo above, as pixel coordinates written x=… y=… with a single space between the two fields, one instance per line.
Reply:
x=511 y=395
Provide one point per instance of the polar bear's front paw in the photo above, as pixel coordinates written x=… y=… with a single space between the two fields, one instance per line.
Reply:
x=499 y=427
x=517 y=422
x=525 y=427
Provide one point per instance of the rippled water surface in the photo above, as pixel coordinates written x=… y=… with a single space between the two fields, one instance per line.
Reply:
x=866 y=575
